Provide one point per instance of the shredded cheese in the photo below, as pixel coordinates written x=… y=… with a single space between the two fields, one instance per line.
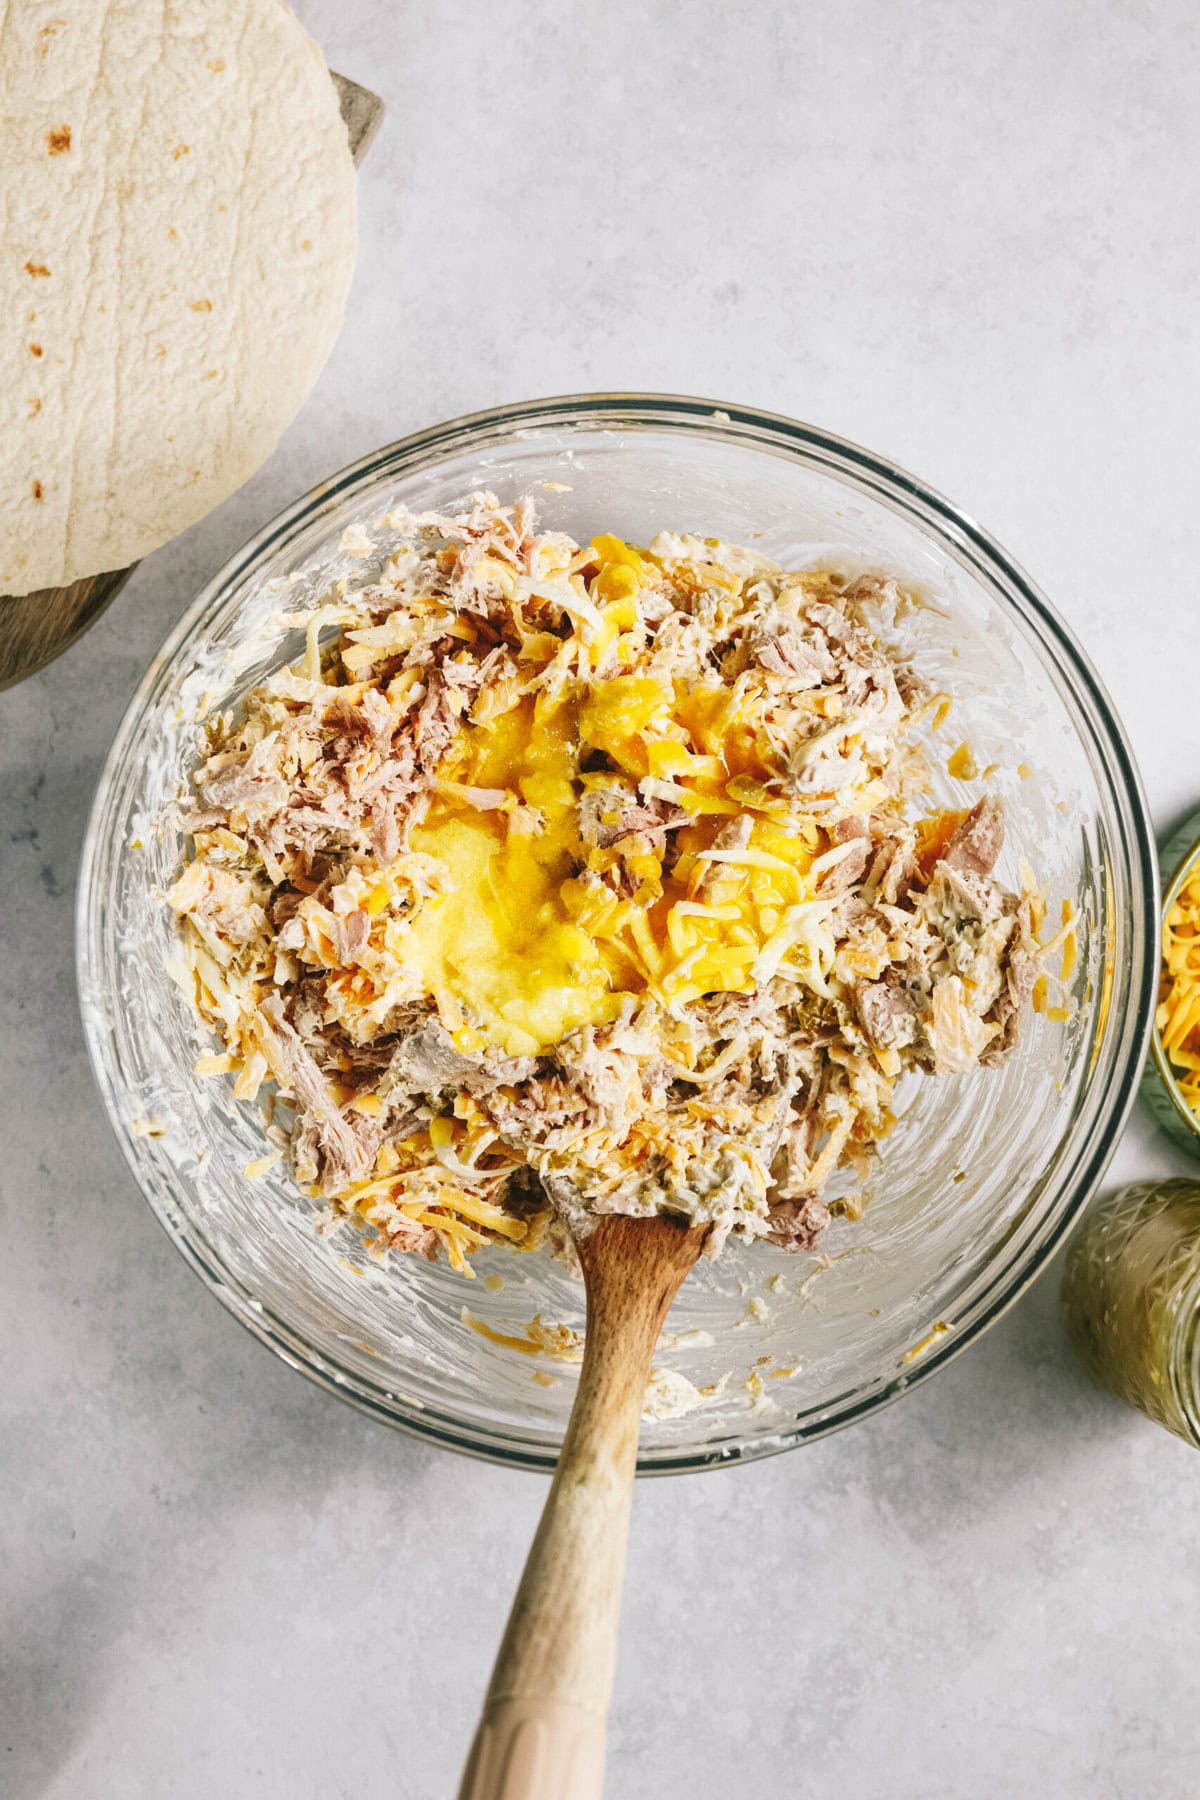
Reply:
x=1177 y=1020
x=577 y=813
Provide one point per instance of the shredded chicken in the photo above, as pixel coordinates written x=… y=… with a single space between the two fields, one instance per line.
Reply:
x=592 y=876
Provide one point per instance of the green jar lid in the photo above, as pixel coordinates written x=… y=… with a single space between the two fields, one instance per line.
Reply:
x=1159 y=1088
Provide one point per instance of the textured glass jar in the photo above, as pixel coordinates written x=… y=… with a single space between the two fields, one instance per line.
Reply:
x=1131 y=1290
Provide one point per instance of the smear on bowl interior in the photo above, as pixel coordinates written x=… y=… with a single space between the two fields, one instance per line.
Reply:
x=589 y=878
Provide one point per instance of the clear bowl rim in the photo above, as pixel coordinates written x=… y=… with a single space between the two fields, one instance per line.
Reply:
x=733 y=423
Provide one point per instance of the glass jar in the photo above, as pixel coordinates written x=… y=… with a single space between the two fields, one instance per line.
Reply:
x=1131 y=1290
x=1177 y=861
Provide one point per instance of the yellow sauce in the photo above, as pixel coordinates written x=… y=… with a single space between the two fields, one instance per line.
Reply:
x=518 y=951
x=616 y=713
x=500 y=940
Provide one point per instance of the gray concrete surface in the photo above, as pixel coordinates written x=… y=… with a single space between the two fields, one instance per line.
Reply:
x=963 y=234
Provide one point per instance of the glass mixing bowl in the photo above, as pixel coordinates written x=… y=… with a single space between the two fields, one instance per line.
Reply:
x=983 y=1173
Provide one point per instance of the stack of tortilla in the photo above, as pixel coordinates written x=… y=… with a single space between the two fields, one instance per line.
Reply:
x=180 y=228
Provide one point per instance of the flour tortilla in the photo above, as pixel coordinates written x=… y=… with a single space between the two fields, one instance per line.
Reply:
x=178 y=200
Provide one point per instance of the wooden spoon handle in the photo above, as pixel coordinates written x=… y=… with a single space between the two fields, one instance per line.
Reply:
x=536 y=1750
x=542 y=1732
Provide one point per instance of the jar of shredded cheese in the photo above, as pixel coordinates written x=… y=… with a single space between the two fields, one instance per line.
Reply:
x=1131 y=1291
x=1171 y=1084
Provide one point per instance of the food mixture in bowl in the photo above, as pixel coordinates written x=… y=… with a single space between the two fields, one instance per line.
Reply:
x=571 y=879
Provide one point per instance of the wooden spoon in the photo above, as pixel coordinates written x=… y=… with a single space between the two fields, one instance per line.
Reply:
x=542 y=1733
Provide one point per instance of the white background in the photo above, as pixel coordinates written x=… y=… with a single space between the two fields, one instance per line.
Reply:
x=963 y=234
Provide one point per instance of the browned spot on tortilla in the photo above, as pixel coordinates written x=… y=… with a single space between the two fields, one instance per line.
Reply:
x=47 y=32
x=58 y=140
x=216 y=65
x=35 y=407
x=307 y=244
x=179 y=150
x=37 y=490
x=35 y=269
x=200 y=305
x=35 y=349
x=210 y=374
x=172 y=235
